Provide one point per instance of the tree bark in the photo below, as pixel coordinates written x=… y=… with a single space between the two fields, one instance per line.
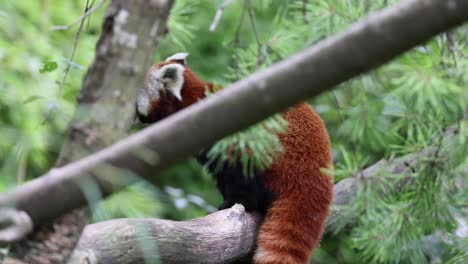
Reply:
x=221 y=237
x=105 y=111
x=125 y=50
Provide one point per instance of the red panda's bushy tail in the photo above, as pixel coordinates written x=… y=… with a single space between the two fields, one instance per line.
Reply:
x=294 y=223
x=292 y=229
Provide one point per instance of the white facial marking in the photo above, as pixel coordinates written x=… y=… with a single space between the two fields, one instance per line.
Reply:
x=169 y=78
x=143 y=103
x=172 y=77
x=182 y=56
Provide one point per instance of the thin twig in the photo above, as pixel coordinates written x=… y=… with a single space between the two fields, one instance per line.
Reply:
x=304 y=12
x=260 y=57
x=72 y=56
x=338 y=106
x=22 y=164
x=88 y=22
x=83 y=17
x=367 y=6
x=75 y=45
x=451 y=48
x=451 y=43
x=237 y=41
x=431 y=168
x=219 y=14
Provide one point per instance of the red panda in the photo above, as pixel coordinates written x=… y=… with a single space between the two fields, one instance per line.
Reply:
x=293 y=194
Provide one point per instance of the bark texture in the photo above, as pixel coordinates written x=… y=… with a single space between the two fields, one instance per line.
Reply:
x=106 y=103
x=130 y=34
x=221 y=237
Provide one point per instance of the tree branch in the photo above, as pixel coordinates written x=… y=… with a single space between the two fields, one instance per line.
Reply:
x=365 y=45
x=81 y=18
x=221 y=237
x=15 y=225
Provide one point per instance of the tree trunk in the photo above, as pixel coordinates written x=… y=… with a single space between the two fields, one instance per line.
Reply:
x=105 y=111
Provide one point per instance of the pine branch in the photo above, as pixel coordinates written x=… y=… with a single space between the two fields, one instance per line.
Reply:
x=365 y=45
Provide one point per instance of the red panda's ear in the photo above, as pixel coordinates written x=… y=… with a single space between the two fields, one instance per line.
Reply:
x=180 y=58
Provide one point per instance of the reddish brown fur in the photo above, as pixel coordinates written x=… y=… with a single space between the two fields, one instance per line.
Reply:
x=168 y=104
x=294 y=224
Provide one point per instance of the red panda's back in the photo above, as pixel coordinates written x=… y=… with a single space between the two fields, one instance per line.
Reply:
x=306 y=150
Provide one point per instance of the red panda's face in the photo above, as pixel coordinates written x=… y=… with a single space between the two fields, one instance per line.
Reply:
x=162 y=91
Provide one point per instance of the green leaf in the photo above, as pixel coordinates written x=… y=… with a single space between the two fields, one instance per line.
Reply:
x=32 y=99
x=48 y=66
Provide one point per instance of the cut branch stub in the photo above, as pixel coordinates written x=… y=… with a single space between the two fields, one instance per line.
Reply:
x=14 y=225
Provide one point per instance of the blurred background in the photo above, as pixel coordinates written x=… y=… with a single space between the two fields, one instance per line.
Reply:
x=398 y=109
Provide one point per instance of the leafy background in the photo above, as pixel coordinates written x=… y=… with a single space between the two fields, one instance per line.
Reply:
x=400 y=108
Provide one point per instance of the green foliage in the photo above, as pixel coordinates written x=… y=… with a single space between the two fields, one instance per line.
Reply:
x=32 y=59
x=398 y=109
x=134 y=201
x=404 y=107
x=180 y=24
x=401 y=108
x=48 y=66
x=256 y=147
